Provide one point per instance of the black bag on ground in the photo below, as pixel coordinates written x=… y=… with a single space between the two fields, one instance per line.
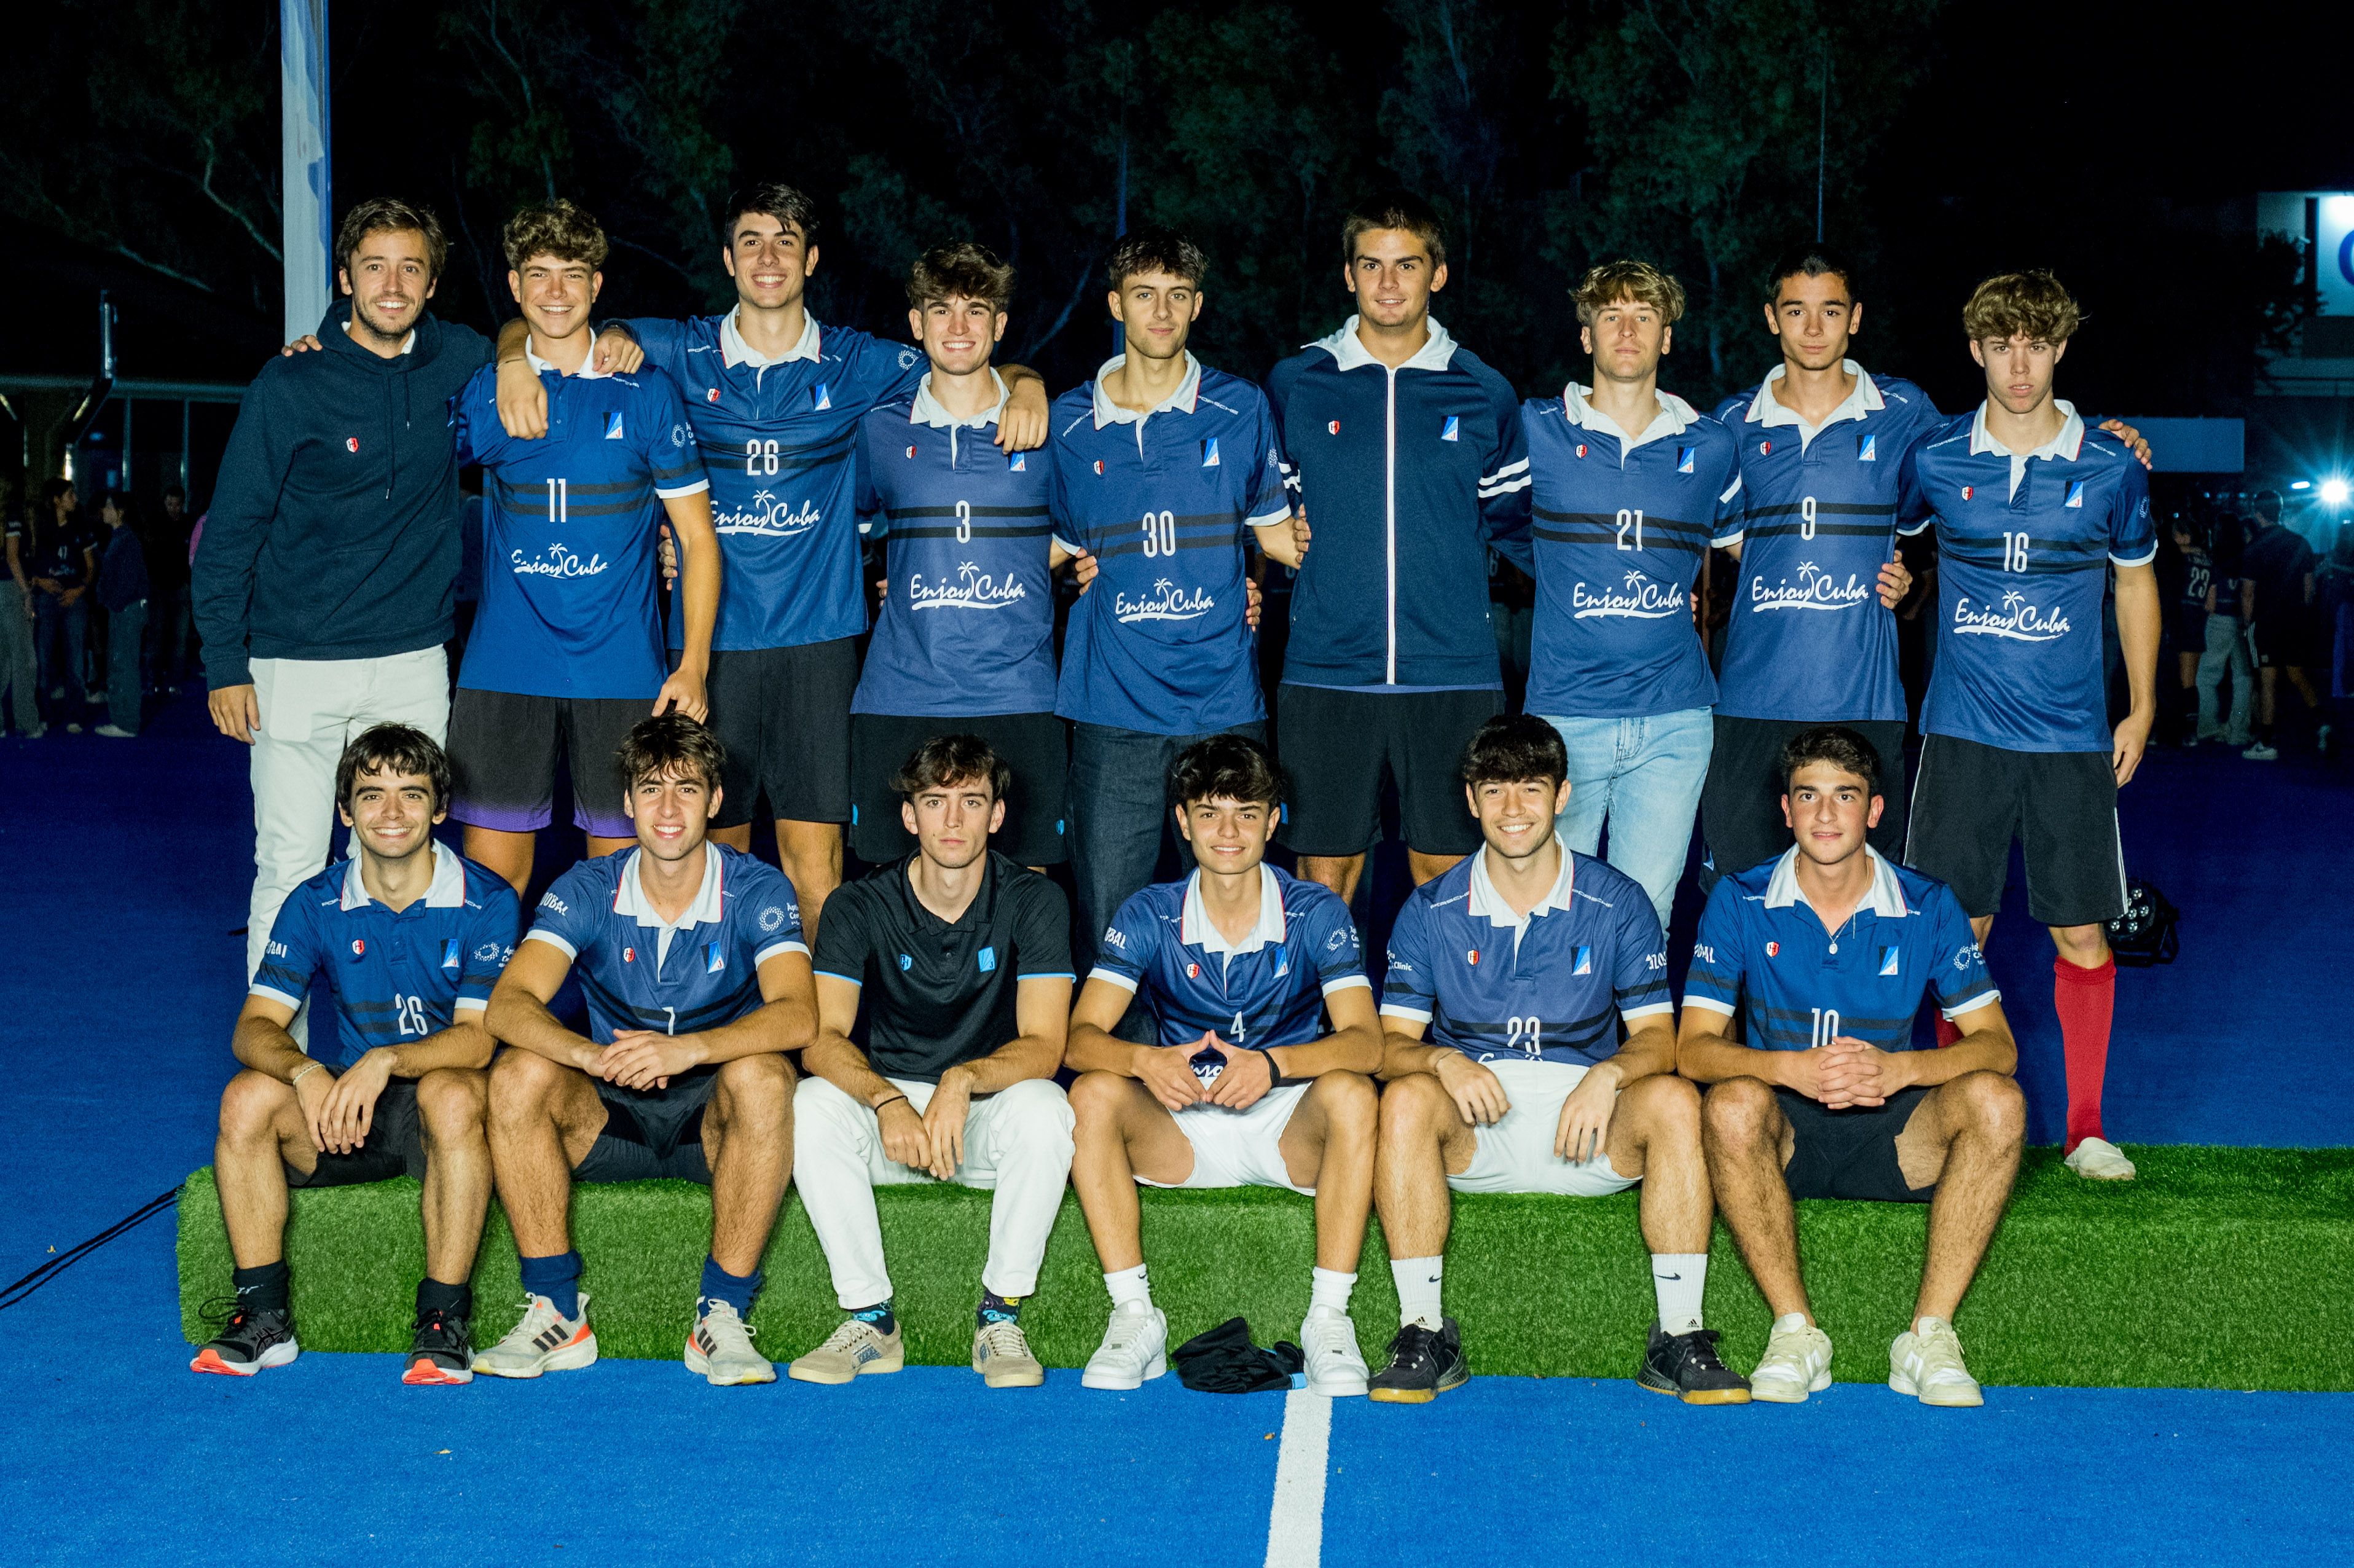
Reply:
x=1224 y=1361
x=2145 y=934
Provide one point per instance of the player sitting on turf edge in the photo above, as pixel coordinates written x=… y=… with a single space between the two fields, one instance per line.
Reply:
x=962 y=959
x=1833 y=949
x=1239 y=962
x=411 y=938
x=698 y=982
x=1523 y=964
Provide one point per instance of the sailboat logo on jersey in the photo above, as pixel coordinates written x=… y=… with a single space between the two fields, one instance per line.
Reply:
x=1447 y=431
x=1888 y=956
x=1863 y=448
x=1210 y=452
x=450 y=954
x=714 y=958
x=1684 y=456
x=2075 y=494
x=1585 y=964
x=1017 y=462
x=613 y=425
x=820 y=399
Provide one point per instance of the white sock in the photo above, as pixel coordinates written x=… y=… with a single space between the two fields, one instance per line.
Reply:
x=1789 y=1322
x=1417 y=1287
x=1129 y=1284
x=1331 y=1289
x=1677 y=1278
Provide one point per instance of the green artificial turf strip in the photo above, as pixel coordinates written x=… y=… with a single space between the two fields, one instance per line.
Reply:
x=2182 y=1279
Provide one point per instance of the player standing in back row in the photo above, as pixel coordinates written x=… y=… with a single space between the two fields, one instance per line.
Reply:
x=1406 y=451
x=2033 y=509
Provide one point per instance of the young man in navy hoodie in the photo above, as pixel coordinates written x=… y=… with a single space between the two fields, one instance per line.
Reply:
x=1406 y=452
x=324 y=585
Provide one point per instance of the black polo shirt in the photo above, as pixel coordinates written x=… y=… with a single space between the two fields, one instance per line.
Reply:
x=937 y=992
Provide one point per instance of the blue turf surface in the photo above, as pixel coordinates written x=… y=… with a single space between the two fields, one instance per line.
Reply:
x=124 y=869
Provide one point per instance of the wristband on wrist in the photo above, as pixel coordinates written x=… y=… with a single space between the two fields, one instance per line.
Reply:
x=877 y=1107
x=301 y=1073
x=1276 y=1080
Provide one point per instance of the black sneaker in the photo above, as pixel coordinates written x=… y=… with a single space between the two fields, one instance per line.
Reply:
x=249 y=1343
x=441 y=1351
x=1686 y=1366
x=1422 y=1366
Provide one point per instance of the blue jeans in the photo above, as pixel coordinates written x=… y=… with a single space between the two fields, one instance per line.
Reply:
x=1119 y=807
x=68 y=624
x=1644 y=775
x=125 y=629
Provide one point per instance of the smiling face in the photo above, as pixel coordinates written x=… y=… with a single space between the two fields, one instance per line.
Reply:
x=1516 y=817
x=769 y=260
x=1814 y=318
x=392 y=814
x=1626 y=339
x=1392 y=276
x=556 y=296
x=389 y=277
x=957 y=332
x=952 y=821
x=1156 y=312
x=2018 y=370
x=672 y=811
x=1831 y=811
x=1227 y=836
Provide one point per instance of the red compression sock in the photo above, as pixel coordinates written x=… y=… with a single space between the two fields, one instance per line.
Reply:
x=2085 y=1001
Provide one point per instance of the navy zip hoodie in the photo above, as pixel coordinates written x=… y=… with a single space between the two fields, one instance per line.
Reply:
x=333 y=528
x=1409 y=477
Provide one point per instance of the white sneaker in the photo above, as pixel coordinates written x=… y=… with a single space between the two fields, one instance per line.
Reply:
x=1135 y=1349
x=114 y=732
x=1797 y=1363
x=2262 y=752
x=545 y=1341
x=720 y=1348
x=2100 y=1160
x=1335 y=1365
x=1927 y=1362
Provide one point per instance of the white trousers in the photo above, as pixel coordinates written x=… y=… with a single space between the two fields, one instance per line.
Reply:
x=1016 y=1142
x=311 y=709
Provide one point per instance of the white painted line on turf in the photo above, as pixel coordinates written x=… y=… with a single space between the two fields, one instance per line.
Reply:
x=1295 y=1526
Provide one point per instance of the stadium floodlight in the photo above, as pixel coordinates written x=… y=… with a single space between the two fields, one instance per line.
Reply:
x=2333 y=492
x=2300 y=484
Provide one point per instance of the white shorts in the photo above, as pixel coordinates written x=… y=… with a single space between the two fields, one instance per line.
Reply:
x=1239 y=1148
x=1516 y=1154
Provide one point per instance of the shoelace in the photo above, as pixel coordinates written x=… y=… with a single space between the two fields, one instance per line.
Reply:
x=1003 y=1337
x=722 y=1312
x=1940 y=1351
x=1126 y=1335
x=1699 y=1349
x=539 y=1314
x=1413 y=1346
x=222 y=1312
x=841 y=1339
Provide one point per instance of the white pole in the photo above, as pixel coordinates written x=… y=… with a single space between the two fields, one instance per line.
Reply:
x=308 y=211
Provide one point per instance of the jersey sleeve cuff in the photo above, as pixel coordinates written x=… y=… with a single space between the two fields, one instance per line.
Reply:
x=1067 y=547
x=1048 y=974
x=470 y=1004
x=1916 y=530
x=542 y=934
x=1399 y=1010
x=1727 y=541
x=1347 y=982
x=673 y=492
x=1125 y=982
x=1709 y=1004
x=2143 y=559
x=274 y=994
x=1955 y=1014
x=773 y=948
x=1648 y=1009
x=853 y=979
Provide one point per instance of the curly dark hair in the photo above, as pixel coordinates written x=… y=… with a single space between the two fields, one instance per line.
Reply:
x=396 y=748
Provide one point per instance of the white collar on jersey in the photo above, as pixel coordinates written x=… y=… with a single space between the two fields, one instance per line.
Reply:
x=1675 y=415
x=1350 y=353
x=1489 y=906
x=734 y=351
x=2066 y=444
x=1196 y=929
x=447 y=890
x=588 y=371
x=1768 y=411
x=630 y=898
x=1182 y=399
x=926 y=409
x=1886 y=898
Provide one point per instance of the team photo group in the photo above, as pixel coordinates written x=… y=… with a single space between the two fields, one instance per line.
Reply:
x=682 y=528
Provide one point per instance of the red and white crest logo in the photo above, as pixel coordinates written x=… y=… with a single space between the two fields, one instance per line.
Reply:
x=1099 y=465
x=1334 y=426
x=1966 y=491
x=1765 y=447
x=358 y=947
x=1192 y=972
x=710 y=396
x=351 y=443
x=1471 y=956
x=1581 y=449
x=1772 y=949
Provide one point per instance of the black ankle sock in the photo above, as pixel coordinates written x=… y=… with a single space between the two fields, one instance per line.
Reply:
x=261 y=1289
x=879 y=1315
x=449 y=1300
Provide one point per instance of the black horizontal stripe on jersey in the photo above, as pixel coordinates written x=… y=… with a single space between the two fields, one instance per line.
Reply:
x=895 y=513
x=725 y=1010
x=1602 y=527
x=1197 y=542
x=973 y=531
x=789 y=459
x=1575 y=1035
x=1648 y=990
x=1827 y=508
x=2058 y=557
x=538 y=487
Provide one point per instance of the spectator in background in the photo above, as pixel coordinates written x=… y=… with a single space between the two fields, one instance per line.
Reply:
x=165 y=535
x=2185 y=574
x=2276 y=595
x=2227 y=650
x=19 y=666
x=122 y=589
x=2334 y=585
x=63 y=565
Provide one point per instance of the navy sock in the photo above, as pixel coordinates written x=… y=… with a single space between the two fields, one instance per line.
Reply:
x=879 y=1315
x=261 y=1289
x=449 y=1300
x=557 y=1277
x=996 y=1309
x=736 y=1289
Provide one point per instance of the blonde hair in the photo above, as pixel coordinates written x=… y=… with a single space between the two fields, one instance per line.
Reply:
x=1606 y=285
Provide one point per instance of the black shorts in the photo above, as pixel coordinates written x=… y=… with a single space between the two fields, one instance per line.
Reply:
x=784 y=715
x=652 y=1134
x=503 y=750
x=1741 y=804
x=1335 y=745
x=394 y=1145
x=2284 y=641
x=1849 y=1153
x=1970 y=801
x=1036 y=747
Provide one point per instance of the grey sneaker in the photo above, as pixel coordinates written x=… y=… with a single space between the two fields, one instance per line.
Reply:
x=720 y=1348
x=857 y=1349
x=1797 y=1363
x=116 y=732
x=1928 y=1363
x=2261 y=752
x=1002 y=1356
x=545 y=1341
